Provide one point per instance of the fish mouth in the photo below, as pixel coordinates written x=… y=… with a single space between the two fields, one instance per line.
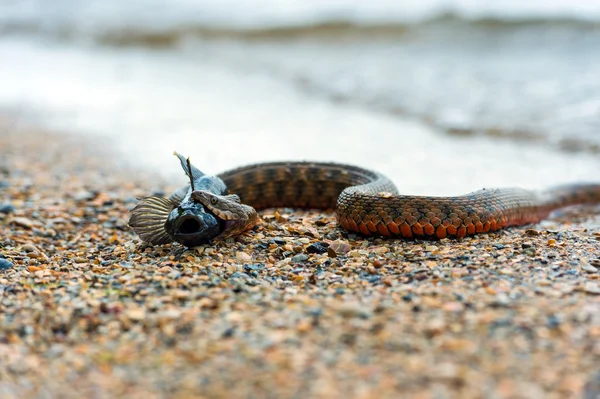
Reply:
x=193 y=228
x=189 y=225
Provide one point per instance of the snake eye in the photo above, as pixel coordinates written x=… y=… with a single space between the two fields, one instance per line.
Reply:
x=214 y=200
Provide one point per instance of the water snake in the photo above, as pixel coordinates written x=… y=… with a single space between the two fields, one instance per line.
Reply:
x=365 y=202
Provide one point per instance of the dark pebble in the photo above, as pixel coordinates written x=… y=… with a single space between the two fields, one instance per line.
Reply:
x=408 y=297
x=7 y=208
x=278 y=241
x=254 y=267
x=5 y=264
x=499 y=246
x=317 y=248
x=553 y=322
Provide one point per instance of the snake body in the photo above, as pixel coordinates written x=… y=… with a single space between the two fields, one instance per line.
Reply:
x=368 y=202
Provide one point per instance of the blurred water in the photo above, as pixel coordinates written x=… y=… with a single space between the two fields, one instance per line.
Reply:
x=492 y=96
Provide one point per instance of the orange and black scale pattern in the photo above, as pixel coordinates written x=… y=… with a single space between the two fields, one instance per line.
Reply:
x=368 y=202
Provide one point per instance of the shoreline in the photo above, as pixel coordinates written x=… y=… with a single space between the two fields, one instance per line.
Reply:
x=89 y=310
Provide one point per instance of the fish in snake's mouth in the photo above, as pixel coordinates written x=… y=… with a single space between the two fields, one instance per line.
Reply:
x=181 y=218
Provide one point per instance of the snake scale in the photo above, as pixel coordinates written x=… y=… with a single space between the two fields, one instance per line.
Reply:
x=367 y=202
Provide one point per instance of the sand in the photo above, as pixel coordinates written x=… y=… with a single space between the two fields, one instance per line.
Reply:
x=87 y=310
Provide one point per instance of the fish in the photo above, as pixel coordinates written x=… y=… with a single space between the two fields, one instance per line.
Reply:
x=182 y=217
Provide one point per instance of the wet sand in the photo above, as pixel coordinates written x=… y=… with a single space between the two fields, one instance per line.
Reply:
x=86 y=310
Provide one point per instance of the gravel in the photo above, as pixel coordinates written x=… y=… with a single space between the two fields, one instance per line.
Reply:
x=296 y=308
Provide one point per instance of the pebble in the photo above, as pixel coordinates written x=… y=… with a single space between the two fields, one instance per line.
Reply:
x=29 y=248
x=7 y=208
x=23 y=222
x=243 y=256
x=99 y=309
x=354 y=310
x=83 y=195
x=380 y=250
x=591 y=288
x=354 y=254
x=5 y=264
x=299 y=258
x=338 y=248
x=317 y=248
x=586 y=267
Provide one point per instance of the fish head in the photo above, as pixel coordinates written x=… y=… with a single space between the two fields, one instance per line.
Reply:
x=191 y=225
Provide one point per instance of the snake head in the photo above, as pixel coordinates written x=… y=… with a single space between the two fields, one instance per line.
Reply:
x=238 y=217
x=226 y=207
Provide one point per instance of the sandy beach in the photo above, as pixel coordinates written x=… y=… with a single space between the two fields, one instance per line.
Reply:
x=87 y=310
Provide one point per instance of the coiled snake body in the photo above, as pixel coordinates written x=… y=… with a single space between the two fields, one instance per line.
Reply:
x=367 y=202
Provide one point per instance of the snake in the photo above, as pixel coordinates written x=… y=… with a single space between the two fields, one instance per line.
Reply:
x=365 y=202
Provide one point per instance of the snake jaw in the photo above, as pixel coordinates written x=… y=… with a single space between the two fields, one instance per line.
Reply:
x=238 y=217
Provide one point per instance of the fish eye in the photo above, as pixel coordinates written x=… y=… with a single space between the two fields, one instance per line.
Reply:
x=213 y=200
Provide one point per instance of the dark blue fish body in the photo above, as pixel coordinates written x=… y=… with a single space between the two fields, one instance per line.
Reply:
x=159 y=220
x=190 y=223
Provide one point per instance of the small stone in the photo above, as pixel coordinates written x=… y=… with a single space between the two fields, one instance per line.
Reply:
x=239 y=275
x=299 y=258
x=7 y=208
x=595 y=262
x=532 y=233
x=83 y=195
x=317 y=248
x=29 y=248
x=354 y=254
x=23 y=222
x=5 y=264
x=453 y=306
x=380 y=250
x=526 y=244
x=243 y=256
x=281 y=218
x=136 y=314
x=354 y=310
x=586 y=267
x=338 y=248
x=501 y=300
x=592 y=289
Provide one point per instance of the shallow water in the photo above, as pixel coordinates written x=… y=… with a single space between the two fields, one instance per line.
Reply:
x=151 y=104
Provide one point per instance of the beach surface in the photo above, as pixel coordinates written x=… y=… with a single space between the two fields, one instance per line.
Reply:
x=87 y=310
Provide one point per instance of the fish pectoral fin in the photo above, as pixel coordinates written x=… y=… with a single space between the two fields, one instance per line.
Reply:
x=179 y=195
x=233 y=197
x=148 y=219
